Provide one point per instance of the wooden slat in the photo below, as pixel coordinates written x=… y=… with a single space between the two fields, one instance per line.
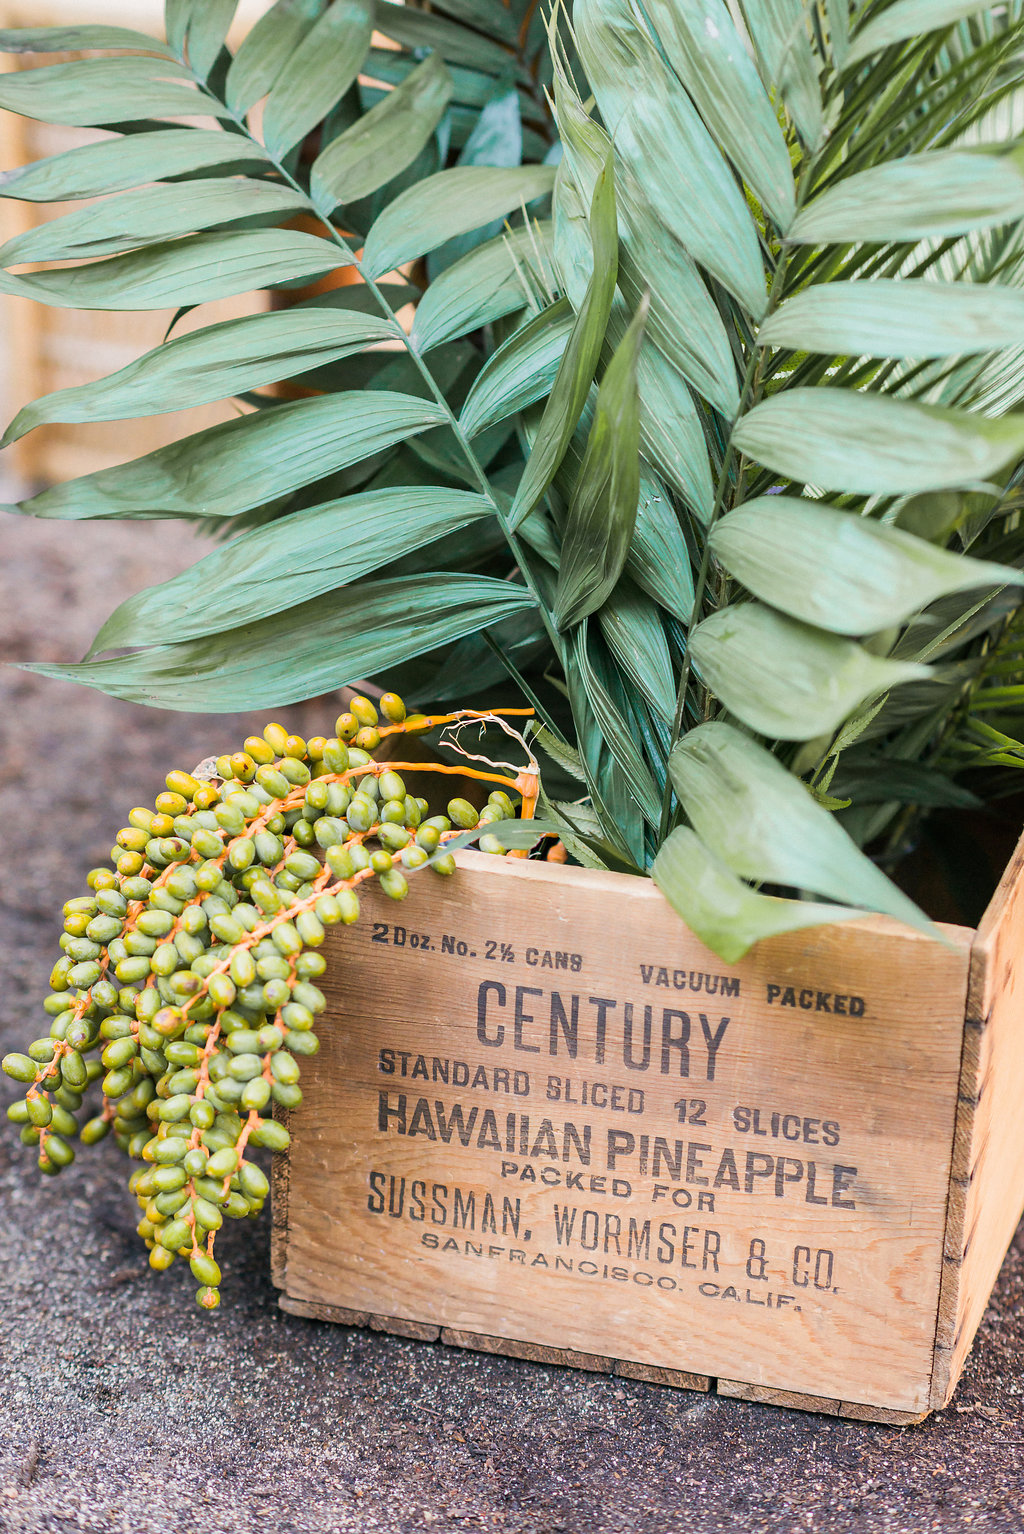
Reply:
x=739 y=1391
x=503 y=1347
x=143 y=15
x=48 y=349
x=825 y=1405
x=857 y=1413
x=313 y=1312
x=594 y=1363
x=679 y=1379
x=395 y=1326
x=947 y=1316
x=987 y=1175
x=22 y=320
x=535 y=1352
x=399 y=1326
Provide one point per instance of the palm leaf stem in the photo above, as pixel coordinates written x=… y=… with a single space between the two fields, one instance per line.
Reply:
x=954 y=723
x=525 y=687
x=884 y=133
x=748 y=390
x=865 y=107
x=978 y=102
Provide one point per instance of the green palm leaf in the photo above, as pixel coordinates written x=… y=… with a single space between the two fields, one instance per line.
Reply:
x=327 y=643
x=729 y=445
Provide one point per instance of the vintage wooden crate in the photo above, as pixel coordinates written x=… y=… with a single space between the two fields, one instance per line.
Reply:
x=545 y=1121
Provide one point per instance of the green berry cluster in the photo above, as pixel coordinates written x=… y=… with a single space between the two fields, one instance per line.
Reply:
x=187 y=983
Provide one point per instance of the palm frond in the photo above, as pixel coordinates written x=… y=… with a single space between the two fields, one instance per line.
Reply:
x=704 y=434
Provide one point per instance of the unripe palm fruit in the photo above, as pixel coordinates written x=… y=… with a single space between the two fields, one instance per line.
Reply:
x=393 y=837
x=182 y=783
x=363 y=709
x=243 y=767
x=392 y=785
x=271 y=1135
x=463 y=814
x=259 y=749
x=394 y=884
x=335 y=755
x=273 y=782
x=340 y=862
x=59 y=1152
x=316 y=795
x=19 y=1067
x=361 y=813
x=40 y=1111
x=276 y=736
x=296 y=772
x=193 y=973
x=310 y=929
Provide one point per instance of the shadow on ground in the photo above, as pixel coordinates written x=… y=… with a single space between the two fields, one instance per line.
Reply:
x=123 y=1410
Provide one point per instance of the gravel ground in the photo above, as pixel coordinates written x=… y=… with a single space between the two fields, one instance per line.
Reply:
x=124 y=1410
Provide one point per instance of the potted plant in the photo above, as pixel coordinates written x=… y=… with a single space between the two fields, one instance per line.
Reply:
x=716 y=468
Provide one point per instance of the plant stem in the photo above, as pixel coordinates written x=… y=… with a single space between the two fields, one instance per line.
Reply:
x=473 y=462
x=521 y=682
x=753 y=382
x=748 y=389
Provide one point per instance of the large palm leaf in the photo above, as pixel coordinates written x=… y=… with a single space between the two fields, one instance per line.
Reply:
x=697 y=465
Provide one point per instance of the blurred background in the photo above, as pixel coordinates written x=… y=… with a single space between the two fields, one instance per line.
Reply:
x=58 y=583
x=46 y=349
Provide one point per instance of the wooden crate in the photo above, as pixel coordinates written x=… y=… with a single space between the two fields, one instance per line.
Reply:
x=545 y=1121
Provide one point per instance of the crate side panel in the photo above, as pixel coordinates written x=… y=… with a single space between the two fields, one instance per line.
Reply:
x=947 y=1319
x=542 y=1110
x=989 y=1166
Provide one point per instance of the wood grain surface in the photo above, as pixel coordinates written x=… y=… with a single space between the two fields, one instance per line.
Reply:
x=543 y=1112
x=987 y=1175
